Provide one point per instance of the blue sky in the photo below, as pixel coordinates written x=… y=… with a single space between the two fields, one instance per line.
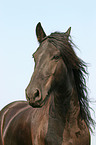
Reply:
x=18 y=20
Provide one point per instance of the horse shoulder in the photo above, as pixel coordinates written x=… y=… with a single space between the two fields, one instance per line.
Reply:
x=10 y=119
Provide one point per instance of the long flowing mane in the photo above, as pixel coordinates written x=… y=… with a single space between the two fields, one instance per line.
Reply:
x=79 y=68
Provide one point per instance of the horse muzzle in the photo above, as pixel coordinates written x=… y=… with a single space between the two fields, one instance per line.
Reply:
x=34 y=98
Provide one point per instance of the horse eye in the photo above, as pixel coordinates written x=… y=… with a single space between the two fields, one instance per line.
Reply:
x=56 y=57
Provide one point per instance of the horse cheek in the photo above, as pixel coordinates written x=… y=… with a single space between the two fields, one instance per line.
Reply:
x=60 y=72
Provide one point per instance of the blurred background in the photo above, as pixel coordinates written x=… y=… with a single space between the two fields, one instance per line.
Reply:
x=18 y=20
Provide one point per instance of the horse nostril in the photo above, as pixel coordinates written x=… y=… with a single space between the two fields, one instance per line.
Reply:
x=36 y=94
x=33 y=96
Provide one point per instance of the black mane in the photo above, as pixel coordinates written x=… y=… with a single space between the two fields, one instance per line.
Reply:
x=79 y=67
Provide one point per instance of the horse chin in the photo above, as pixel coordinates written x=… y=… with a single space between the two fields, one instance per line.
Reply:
x=39 y=104
x=35 y=105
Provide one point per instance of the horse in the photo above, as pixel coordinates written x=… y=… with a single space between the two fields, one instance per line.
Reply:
x=57 y=108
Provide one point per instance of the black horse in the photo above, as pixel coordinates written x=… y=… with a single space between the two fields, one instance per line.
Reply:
x=57 y=109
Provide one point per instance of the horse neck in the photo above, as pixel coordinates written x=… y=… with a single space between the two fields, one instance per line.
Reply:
x=65 y=104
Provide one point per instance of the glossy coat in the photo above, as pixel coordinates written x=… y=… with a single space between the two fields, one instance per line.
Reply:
x=55 y=110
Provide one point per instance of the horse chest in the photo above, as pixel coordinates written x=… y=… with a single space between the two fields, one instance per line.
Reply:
x=39 y=129
x=47 y=131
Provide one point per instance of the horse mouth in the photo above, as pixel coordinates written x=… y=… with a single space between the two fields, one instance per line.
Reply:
x=40 y=103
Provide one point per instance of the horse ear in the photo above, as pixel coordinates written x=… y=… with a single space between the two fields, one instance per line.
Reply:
x=68 y=32
x=40 y=32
